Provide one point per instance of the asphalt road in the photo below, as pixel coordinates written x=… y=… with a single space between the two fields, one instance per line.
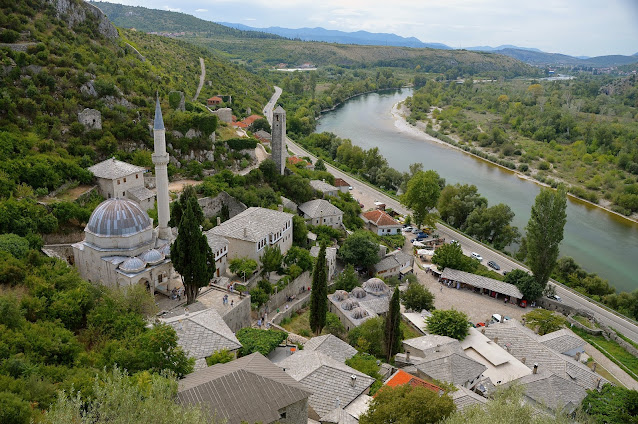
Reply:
x=468 y=245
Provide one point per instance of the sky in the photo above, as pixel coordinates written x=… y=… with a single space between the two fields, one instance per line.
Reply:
x=574 y=27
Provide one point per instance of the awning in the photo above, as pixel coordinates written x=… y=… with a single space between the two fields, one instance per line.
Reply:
x=427 y=252
x=417 y=244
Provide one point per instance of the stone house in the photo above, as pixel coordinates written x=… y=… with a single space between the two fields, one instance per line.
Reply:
x=396 y=263
x=249 y=232
x=249 y=389
x=219 y=246
x=122 y=180
x=381 y=223
x=342 y=185
x=325 y=188
x=321 y=212
x=331 y=259
x=214 y=101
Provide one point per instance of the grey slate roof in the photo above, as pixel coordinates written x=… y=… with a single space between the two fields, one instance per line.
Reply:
x=258 y=223
x=431 y=342
x=450 y=366
x=203 y=333
x=118 y=217
x=319 y=208
x=464 y=397
x=482 y=282
x=159 y=121
x=322 y=186
x=552 y=391
x=338 y=416
x=112 y=169
x=524 y=343
x=562 y=340
x=331 y=346
x=215 y=242
x=263 y=134
x=250 y=389
x=327 y=379
x=140 y=193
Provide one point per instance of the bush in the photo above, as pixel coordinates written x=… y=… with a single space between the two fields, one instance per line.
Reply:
x=241 y=143
x=220 y=357
x=14 y=244
x=262 y=341
x=417 y=297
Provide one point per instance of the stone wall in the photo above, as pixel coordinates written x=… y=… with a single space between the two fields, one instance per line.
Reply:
x=238 y=317
x=296 y=413
x=212 y=206
x=293 y=288
x=91 y=119
x=61 y=238
x=224 y=114
x=60 y=251
x=149 y=181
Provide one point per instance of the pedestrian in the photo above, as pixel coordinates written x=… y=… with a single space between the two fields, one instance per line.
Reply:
x=259 y=323
x=441 y=289
x=232 y=303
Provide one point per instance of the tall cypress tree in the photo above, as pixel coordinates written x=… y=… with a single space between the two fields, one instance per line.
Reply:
x=392 y=336
x=319 y=294
x=191 y=255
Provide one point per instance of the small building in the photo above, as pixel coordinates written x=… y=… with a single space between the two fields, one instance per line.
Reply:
x=421 y=347
x=400 y=378
x=219 y=246
x=370 y=300
x=325 y=188
x=250 y=119
x=397 y=263
x=333 y=384
x=331 y=346
x=547 y=390
x=381 y=223
x=249 y=232
x=331 y=259
x=463 y=398
x=250 y=389
x=214 y=101
x=564 y=341
x=203 y=333
x=123 y=180
x=321 y=212
x=483 y=285
x=342 y=185
x=263 y=136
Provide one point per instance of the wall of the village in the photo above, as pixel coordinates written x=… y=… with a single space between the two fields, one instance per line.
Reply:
x=212 y=206
x=294 y=288
x=238 y=317
x=296 y=413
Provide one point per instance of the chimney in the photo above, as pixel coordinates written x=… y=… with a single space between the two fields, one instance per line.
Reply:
x=280 y=208
x=245 y=231
x=495 y=340
x=407 y=356
x=523 y=359
x=535 y=368
x=219 y=220
x=482 y=330
x=594 y=367
x=353 y=380
x=578 y=356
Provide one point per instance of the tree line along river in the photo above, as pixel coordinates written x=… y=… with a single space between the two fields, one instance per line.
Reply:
x=600 y=241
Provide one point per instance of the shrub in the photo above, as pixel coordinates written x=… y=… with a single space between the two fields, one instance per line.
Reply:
x=262 y=341
x=220 y=357
x=241 y=143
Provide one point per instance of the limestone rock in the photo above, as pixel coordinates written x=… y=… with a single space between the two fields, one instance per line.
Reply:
x=88 y=89
x=192 y=133
x=74 y=13
x=91 y=119
x=177 y=134
x=209 y=155
x=174 y=161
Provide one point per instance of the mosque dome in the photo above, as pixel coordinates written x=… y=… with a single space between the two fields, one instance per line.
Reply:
x=358 y=313
x=358 y=292
x=132 y=265
x=118 y=217
x=349 y=304
x=375 y=286
x=152 y=256
x=340 y=295
x=165 y=250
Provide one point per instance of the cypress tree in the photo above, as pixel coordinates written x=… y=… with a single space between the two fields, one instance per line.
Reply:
x=191 y=255
x=319 y=294
x=392 y=336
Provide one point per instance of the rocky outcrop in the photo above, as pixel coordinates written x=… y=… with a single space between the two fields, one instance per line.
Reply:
x=91 y=119
x=74 y=12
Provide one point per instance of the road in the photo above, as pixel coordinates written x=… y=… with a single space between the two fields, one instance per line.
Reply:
x=469 y=245
x=202 y=76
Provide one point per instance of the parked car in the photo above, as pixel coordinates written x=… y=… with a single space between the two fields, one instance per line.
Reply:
x=554 y=297
x=415 y=230
x=421 y=236
x=349 y=187
x=477 y=256
x=494 y=265
x=523 y=303
x=455 y=242
x=408 y=229
x=480 y=324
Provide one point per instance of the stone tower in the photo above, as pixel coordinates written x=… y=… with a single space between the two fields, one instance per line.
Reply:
x=160 y=159
x=278 y=143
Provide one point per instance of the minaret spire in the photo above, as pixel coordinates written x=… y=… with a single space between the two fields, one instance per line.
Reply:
x=160 y=159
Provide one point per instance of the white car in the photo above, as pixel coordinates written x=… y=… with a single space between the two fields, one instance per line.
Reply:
x=477 y=256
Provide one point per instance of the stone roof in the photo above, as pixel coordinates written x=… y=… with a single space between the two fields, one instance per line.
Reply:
x=118 y=217
x=521 y=342
x=338 y=416
x=279 y=109
x=451 y=366
x=482 y=282
x=141 y=193
x=253 y=224
x=331 y=346
x=380 y=218
x=250 y=389
x=464 y=397
x=322 y=186
x=552 y=391
x=112 y=169
x=392 y=260
x=562 y=340
x=203 y=333
x=261 y=134
x=432 y=342
x=215 y=242
x=319 y=208
x=328 y=379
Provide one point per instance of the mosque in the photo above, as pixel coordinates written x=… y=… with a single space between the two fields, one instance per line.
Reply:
x=121 y=247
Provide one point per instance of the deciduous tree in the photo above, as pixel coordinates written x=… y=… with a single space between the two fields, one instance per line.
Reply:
x=245 y=267
x=422 y=195
x=526 y=283
x=451 y=256
x=544 y=321
x=271 y=259
x=318 y=296
x=457 y=202
x=417 y=297
x=450 y=322
x=492 y=225
x=347 y=280
x=360 y=248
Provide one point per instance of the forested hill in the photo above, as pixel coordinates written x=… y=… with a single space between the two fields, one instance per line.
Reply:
x=52 y=69
x=542 y=58
x=153 y=20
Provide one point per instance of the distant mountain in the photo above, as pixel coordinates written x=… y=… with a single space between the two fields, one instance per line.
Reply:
x=502 y=47
x=342 y=37
x=540 y=58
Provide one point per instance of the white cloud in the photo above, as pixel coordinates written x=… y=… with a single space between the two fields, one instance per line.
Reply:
x=250 y=19
x=201 y=10
x=172 y=9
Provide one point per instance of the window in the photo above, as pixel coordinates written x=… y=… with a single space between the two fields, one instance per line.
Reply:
x=124 y=179
x=137 y=176
x=118 y=182
x=282 y=415
x=123 y=194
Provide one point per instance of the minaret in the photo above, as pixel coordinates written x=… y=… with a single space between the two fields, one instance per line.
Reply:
x=160 y=159
x=278 y=142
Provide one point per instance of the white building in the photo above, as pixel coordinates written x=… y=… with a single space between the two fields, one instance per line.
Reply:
x=219 y=246
x=381 y=223
x=252 y=230
x=120 y=179
x=321 y=212
x=331 y=259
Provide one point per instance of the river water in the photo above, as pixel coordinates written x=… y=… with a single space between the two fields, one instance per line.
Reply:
x=599 y=241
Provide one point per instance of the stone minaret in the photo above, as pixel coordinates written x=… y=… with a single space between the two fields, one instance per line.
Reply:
x=278 y=143
x=160 y=159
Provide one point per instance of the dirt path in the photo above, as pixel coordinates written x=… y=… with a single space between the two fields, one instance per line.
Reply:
x=202 y=76
x=261 y=154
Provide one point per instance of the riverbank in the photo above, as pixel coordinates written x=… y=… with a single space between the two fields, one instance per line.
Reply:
x=399 y=112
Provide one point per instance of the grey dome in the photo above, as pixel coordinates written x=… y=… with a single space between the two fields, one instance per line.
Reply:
x=152 y=256
x=132 y=265
x=358 y=313
x=340 y=295
x=349 y=304
x=165 y=250
x=118 y=217
x=358 y=292
x=375 y=285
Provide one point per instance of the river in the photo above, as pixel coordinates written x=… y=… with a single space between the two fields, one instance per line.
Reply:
x=599 y=241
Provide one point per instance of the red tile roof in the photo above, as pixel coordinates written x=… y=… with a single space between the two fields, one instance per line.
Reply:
x=341 y=183
x=380 y=218
x=295 y=160
x=215 y=99
x=252 y=118
x=239 y=124
x=401 y=377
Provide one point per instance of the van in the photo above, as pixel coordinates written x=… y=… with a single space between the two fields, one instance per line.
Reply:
x=477 y=256
x=497 y=318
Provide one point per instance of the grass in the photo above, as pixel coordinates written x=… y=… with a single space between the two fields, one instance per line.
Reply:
x=586 y=322
x=612 y=350
x=409 y=332
x=602 y=371
x=298 y=324
x=628 y=340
